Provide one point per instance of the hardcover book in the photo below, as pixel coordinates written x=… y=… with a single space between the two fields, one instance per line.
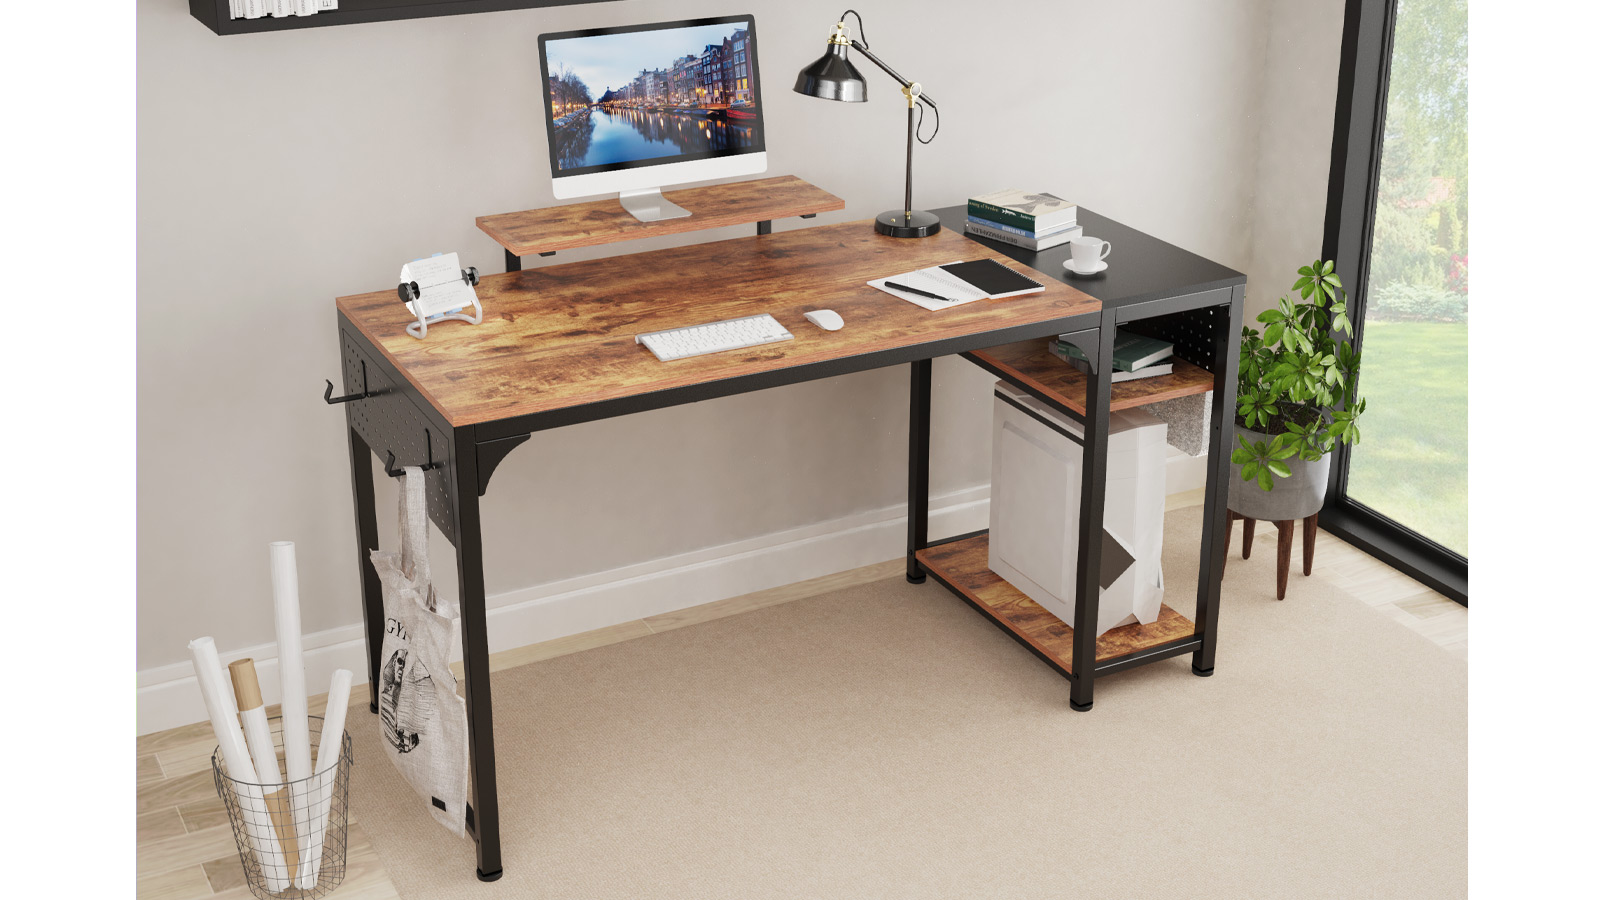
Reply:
x=1129 y=353
x=1034 y=212
x=1055 y=239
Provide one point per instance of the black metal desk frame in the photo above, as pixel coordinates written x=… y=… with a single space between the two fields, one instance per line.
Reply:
x=385 y=413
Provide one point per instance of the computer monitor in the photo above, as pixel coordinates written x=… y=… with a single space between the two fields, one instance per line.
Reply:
x=632 y=109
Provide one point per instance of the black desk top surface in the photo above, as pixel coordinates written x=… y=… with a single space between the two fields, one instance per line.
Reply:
x=1140 y=267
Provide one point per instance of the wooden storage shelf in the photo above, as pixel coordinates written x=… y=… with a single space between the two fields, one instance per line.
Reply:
x=214 y=13
x=1031 y=364
x=605 y=221
x=963 y=566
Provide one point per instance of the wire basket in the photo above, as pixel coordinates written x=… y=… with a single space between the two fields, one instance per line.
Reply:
x=269 y=821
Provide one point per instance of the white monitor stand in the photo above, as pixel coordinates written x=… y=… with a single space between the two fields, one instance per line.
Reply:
x=647 y=205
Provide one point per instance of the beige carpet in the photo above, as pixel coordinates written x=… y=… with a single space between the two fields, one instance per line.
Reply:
x=886 y=741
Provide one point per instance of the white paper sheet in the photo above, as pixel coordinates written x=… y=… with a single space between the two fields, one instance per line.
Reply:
x=935 y=281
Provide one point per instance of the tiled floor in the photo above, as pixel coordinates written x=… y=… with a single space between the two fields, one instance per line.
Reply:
x=185 y=845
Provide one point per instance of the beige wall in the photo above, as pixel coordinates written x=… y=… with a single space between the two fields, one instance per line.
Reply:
x=278 y=171
x=1296 y=130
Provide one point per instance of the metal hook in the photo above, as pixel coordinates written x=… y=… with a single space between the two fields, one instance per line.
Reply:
x=330 y=399
x=392 y=472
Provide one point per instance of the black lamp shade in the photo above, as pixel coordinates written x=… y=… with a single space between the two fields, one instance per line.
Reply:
x=833 y=77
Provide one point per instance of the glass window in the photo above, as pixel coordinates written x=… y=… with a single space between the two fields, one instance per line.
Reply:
x=1411 y=464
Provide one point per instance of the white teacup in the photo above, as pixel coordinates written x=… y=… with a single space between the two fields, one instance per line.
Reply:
x=1087 y=252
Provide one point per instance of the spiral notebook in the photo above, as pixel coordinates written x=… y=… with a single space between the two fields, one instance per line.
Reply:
x=960 y=282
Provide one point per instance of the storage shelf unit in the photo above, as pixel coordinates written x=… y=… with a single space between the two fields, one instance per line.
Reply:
x=214 y=13
x=963 y=566
x=1030 y=366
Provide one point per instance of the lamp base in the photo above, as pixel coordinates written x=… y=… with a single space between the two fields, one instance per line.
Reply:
x=897 y=223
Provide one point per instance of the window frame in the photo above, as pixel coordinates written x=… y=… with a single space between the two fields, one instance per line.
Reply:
x=1365 y=58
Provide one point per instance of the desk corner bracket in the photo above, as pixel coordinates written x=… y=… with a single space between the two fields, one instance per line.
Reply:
x=490 y=455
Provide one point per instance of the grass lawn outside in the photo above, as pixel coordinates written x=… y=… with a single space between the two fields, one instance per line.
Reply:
x=1411 y=464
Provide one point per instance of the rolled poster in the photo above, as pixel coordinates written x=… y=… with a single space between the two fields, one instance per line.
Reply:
x=292 y=677
x=258 y=737
x=329 y=750
x=230 y=740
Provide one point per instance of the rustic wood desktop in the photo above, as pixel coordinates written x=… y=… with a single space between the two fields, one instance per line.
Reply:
x=557 y=348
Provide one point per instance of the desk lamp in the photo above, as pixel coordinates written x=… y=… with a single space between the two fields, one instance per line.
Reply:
x=833 y=77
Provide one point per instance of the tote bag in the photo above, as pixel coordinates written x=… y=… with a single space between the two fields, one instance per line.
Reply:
x=424 y=721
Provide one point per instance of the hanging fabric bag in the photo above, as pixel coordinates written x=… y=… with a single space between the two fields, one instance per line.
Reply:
x=424 y=721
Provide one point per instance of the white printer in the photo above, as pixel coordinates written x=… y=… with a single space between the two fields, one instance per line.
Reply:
x=1033 y=508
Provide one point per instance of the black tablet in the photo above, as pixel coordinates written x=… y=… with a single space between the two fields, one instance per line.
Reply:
x=993 y=278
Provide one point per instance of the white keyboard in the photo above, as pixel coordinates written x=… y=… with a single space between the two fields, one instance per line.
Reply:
x=714 y=337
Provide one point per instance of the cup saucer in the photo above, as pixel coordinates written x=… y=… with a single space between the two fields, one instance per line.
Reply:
x=1093 y=268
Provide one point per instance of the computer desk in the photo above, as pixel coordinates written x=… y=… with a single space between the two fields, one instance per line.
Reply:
x=556 y=347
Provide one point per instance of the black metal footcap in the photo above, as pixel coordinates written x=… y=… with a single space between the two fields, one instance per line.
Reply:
x=492 y=876
x=1084 y=708
x=374 y=707
x=1203 y=673
x=917 y=579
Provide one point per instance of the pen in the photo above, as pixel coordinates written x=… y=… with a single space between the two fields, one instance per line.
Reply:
x=912 y=290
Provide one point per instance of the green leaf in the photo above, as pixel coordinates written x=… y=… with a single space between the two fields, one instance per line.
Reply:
x=1264 y=479
x=1274 y=333
x=1241 y=456
x=1334 y=279
x=1307 y=271
x=1279 y=469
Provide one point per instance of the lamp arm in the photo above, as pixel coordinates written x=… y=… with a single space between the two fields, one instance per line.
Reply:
x=862 y=49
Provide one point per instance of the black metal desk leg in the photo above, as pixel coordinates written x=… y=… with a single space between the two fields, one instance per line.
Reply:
x=764 y=227
x=366 y=542
x=513 y=262
x=917 y=466
x=1091 y=516
x=485 y=818
x=1213 y=533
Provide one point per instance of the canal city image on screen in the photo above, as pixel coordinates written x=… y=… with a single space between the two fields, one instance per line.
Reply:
x=651 y=96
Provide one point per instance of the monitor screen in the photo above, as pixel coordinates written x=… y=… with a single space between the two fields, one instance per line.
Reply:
x=622 y=98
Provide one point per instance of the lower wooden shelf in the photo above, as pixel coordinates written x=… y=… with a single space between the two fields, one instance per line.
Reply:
x=964 y=566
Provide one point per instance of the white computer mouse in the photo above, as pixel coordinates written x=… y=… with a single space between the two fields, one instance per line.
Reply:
x=826 y=319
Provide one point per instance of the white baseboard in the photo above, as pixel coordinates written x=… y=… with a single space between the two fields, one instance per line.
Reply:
x=168 y=695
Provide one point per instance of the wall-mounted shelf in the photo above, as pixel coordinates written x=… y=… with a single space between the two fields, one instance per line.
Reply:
x=214 y=13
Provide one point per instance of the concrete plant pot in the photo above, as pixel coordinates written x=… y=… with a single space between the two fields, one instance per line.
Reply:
x=1295 y=497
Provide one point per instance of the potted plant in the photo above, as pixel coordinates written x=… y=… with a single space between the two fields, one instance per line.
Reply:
x=1296 y=399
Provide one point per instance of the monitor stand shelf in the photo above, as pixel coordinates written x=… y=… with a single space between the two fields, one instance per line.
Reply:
x=544 y=231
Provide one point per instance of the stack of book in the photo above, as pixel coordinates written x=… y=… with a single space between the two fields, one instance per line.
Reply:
x=1030 y=221
x=1132 y=356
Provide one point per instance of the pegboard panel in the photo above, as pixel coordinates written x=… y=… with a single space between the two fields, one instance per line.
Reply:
x=390 y=421
x=1192 y=333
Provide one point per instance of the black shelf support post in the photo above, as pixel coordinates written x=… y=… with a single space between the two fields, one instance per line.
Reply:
x=917 y=467
x=513 y=262
x=366 y=542
x=1092 y=511
x=1214 y=529
x=484 y=801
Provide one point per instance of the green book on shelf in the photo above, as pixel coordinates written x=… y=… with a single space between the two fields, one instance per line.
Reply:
x=1130 y=352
